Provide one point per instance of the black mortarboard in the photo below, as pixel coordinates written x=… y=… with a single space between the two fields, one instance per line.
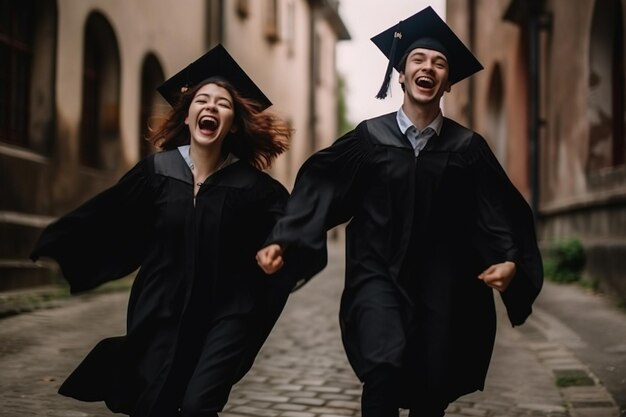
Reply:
x=215 y=63
x=425 y=29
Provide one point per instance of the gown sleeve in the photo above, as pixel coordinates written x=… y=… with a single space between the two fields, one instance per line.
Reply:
x=105 y=238
x=323 y=197
x=506 y=232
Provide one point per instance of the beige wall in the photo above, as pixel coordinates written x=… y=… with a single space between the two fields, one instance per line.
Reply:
x=574 y=201
x=284 y=76
x=565 y=182
x=564 y=102
x=140 y=26
x=496 y=45
x=326 y=91
x=37 y=186
x=281 y=70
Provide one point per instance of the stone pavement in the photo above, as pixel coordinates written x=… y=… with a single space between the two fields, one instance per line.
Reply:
x=301 y=372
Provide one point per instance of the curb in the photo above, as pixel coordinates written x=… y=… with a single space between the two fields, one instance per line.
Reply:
x=50 y=296
x=24 y=301
x=582 y=392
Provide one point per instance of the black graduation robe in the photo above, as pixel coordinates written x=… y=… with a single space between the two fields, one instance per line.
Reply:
x=420 y=232
x=197 y=265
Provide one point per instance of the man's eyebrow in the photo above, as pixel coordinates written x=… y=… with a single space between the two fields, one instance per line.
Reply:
x=435 y=58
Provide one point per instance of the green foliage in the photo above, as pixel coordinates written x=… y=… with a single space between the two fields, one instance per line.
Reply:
x=343 y=124
x=573 y=378
x=12 y=303
x=591 y=283
x=565 y=261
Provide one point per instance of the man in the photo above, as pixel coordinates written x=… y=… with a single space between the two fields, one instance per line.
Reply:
x=435 y=224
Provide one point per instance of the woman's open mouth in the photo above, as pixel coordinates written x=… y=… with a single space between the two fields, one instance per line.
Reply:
x=208 y=124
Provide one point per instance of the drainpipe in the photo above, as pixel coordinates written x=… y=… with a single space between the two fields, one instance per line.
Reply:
x=533 y=109
x=312 y=81
x=471 y=87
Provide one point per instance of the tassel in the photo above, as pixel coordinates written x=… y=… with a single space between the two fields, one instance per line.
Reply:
x=382 y=93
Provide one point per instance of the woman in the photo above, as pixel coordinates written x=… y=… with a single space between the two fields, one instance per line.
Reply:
x=192 y=218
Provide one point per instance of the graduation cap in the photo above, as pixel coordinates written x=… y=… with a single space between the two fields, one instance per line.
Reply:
x=425 y=29
x=217 y=63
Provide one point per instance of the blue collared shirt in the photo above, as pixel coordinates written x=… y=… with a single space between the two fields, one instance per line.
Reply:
x=417 y=137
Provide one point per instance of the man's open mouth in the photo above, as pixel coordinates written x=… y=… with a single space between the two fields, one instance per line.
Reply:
x=425 y=82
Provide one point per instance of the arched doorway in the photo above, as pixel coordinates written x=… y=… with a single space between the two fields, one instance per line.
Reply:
x=99 y=130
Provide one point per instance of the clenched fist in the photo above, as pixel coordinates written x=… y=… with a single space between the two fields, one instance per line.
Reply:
x=270 y=258
x=498 y=276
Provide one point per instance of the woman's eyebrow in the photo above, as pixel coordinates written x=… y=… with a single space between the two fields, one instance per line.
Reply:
x=218 y=97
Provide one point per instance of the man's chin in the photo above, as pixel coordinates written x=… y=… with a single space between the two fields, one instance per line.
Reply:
x=424 y=99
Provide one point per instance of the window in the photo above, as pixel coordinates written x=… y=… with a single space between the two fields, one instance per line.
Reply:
x=496 y=116
x=27 y=64
x=271 y=21
x=243 y=8
x=152 y=104
x=92 y=79
x=16 y=43
x=606 y=87
x=317 y=59
x=99 y=126
x=291 y=28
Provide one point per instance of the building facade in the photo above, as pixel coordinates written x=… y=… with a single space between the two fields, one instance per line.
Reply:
x=78 y=93
x=551 y=103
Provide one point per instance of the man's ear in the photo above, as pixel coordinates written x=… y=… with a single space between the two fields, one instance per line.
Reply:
x=233 y=128
x=401 y=80
x=448 y=87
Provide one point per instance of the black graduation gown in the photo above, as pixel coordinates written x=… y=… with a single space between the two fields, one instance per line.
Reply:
x=420 y=231
x=197 y=265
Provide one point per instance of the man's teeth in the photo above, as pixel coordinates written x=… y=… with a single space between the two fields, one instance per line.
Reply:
x=425 y=82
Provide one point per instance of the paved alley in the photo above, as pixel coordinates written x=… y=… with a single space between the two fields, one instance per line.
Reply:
x=301 y=372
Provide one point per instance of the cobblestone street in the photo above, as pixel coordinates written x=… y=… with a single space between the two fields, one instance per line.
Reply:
x=301 y=372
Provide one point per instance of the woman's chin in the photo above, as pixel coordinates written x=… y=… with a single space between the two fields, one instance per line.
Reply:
x=208 y=140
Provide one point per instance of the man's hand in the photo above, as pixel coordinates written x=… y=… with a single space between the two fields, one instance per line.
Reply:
x=270 y=258
x=498 y=276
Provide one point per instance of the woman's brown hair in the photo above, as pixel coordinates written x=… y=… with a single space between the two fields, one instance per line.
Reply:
x=259 y=138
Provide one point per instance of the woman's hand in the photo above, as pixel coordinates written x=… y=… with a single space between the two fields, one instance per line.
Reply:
x=270 y=258
x=498 y=276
